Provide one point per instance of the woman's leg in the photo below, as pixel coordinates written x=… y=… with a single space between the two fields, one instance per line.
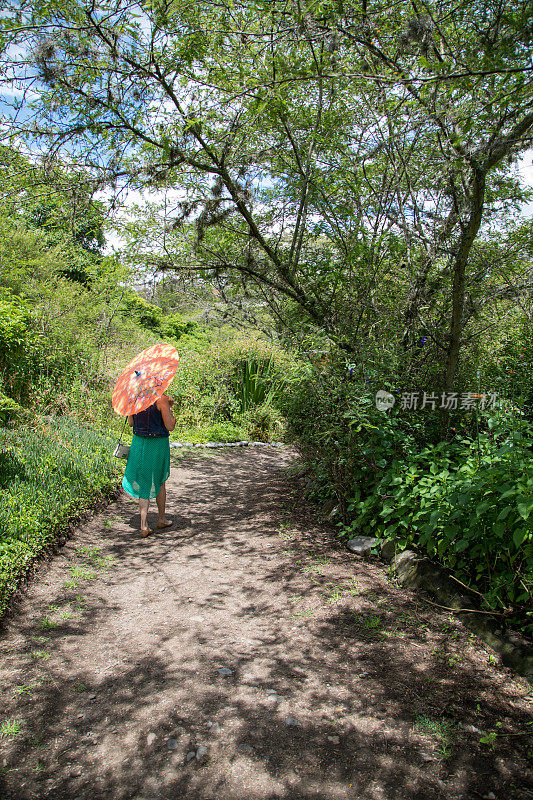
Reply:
x=161 y=501
x=143 y=508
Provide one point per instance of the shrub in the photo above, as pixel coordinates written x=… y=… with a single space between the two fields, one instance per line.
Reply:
x=9 y=410
x=343 y=437
x=143 y=313
x=469 y=505
x=48 y=473
x=264 y=423
x=216 y=384
x=467 y=502
x=224 y=432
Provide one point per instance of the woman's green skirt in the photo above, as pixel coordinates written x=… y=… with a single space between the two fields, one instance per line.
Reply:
x=148 y=466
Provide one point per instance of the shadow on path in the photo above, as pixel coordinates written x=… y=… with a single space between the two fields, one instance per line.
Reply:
x=244 y=654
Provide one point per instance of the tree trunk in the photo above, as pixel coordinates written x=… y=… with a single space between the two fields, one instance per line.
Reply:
x=466 y=241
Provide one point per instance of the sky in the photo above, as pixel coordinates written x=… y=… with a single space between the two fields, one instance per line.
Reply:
x=114 y=242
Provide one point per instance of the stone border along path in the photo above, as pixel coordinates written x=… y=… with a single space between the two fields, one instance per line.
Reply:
x=245 y=654
x=227 y=444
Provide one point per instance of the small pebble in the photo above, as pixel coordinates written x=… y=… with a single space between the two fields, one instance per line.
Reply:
x=150 y=739
x=172 y=744
x=469 y=728
x=190 y=755
x=489 y=796
x=201 y=753
x=245 y=748
x=427 y=758
x=291 y=722
x=334 y=739
x=225 y=671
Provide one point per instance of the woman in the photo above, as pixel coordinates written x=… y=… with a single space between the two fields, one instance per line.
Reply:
x=148 y=465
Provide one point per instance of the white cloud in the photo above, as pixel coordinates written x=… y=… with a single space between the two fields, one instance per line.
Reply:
x=525 y=169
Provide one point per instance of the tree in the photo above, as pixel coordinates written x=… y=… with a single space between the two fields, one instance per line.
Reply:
x=343 y=156
x=58 y=296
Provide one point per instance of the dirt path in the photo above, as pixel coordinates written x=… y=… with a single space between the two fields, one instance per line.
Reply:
x=244 y=655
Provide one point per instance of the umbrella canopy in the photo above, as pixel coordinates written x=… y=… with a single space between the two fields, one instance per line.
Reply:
x=145 y=379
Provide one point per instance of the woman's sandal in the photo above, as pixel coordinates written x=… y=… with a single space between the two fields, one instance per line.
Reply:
x=146 y=532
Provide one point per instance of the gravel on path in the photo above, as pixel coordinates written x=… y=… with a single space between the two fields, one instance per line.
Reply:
x=245 y=654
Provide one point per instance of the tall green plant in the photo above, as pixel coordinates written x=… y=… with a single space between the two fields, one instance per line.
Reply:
x=255 y=382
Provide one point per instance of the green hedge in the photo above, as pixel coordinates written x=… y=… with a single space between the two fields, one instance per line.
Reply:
x=48 y=473
x=466 y=502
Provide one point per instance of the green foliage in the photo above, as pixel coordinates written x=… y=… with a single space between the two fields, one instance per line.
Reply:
x=345 y=440
x=48 y=473
x=224 y=432
x=172 y=327
x=265 y=423
x=213 y=385
x=143 y=313
x=467 y=502
x=255 y=381
x=509 y=370
x=9 y=410
x=342 y=168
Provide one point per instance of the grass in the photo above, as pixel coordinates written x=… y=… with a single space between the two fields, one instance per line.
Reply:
x=210 y=432
x=25 y=689
x=47 y=624
x=368 y=623
x=334 y=596
x=441 y=729
x=285 y=532
x=79 y=686
x=39 y=654
x=78 y=574
x=11 y=728
x=334 y=593
x=49 y=471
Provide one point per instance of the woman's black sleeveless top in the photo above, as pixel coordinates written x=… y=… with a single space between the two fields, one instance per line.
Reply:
x=149 y=423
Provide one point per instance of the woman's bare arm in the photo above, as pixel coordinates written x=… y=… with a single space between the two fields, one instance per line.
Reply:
x=168 y=417
x=130 y=420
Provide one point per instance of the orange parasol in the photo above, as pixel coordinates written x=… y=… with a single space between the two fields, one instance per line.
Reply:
x=145 y=379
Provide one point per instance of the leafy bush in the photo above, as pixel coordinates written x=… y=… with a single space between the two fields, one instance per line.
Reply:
x=213 y=386
x=264 y=423
x=171 y=327
x=143 y=313
x=9 y=410
x=343 y=437
x=48 y=473
x=467 y=503
x=255 y=381
x=510 y=370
